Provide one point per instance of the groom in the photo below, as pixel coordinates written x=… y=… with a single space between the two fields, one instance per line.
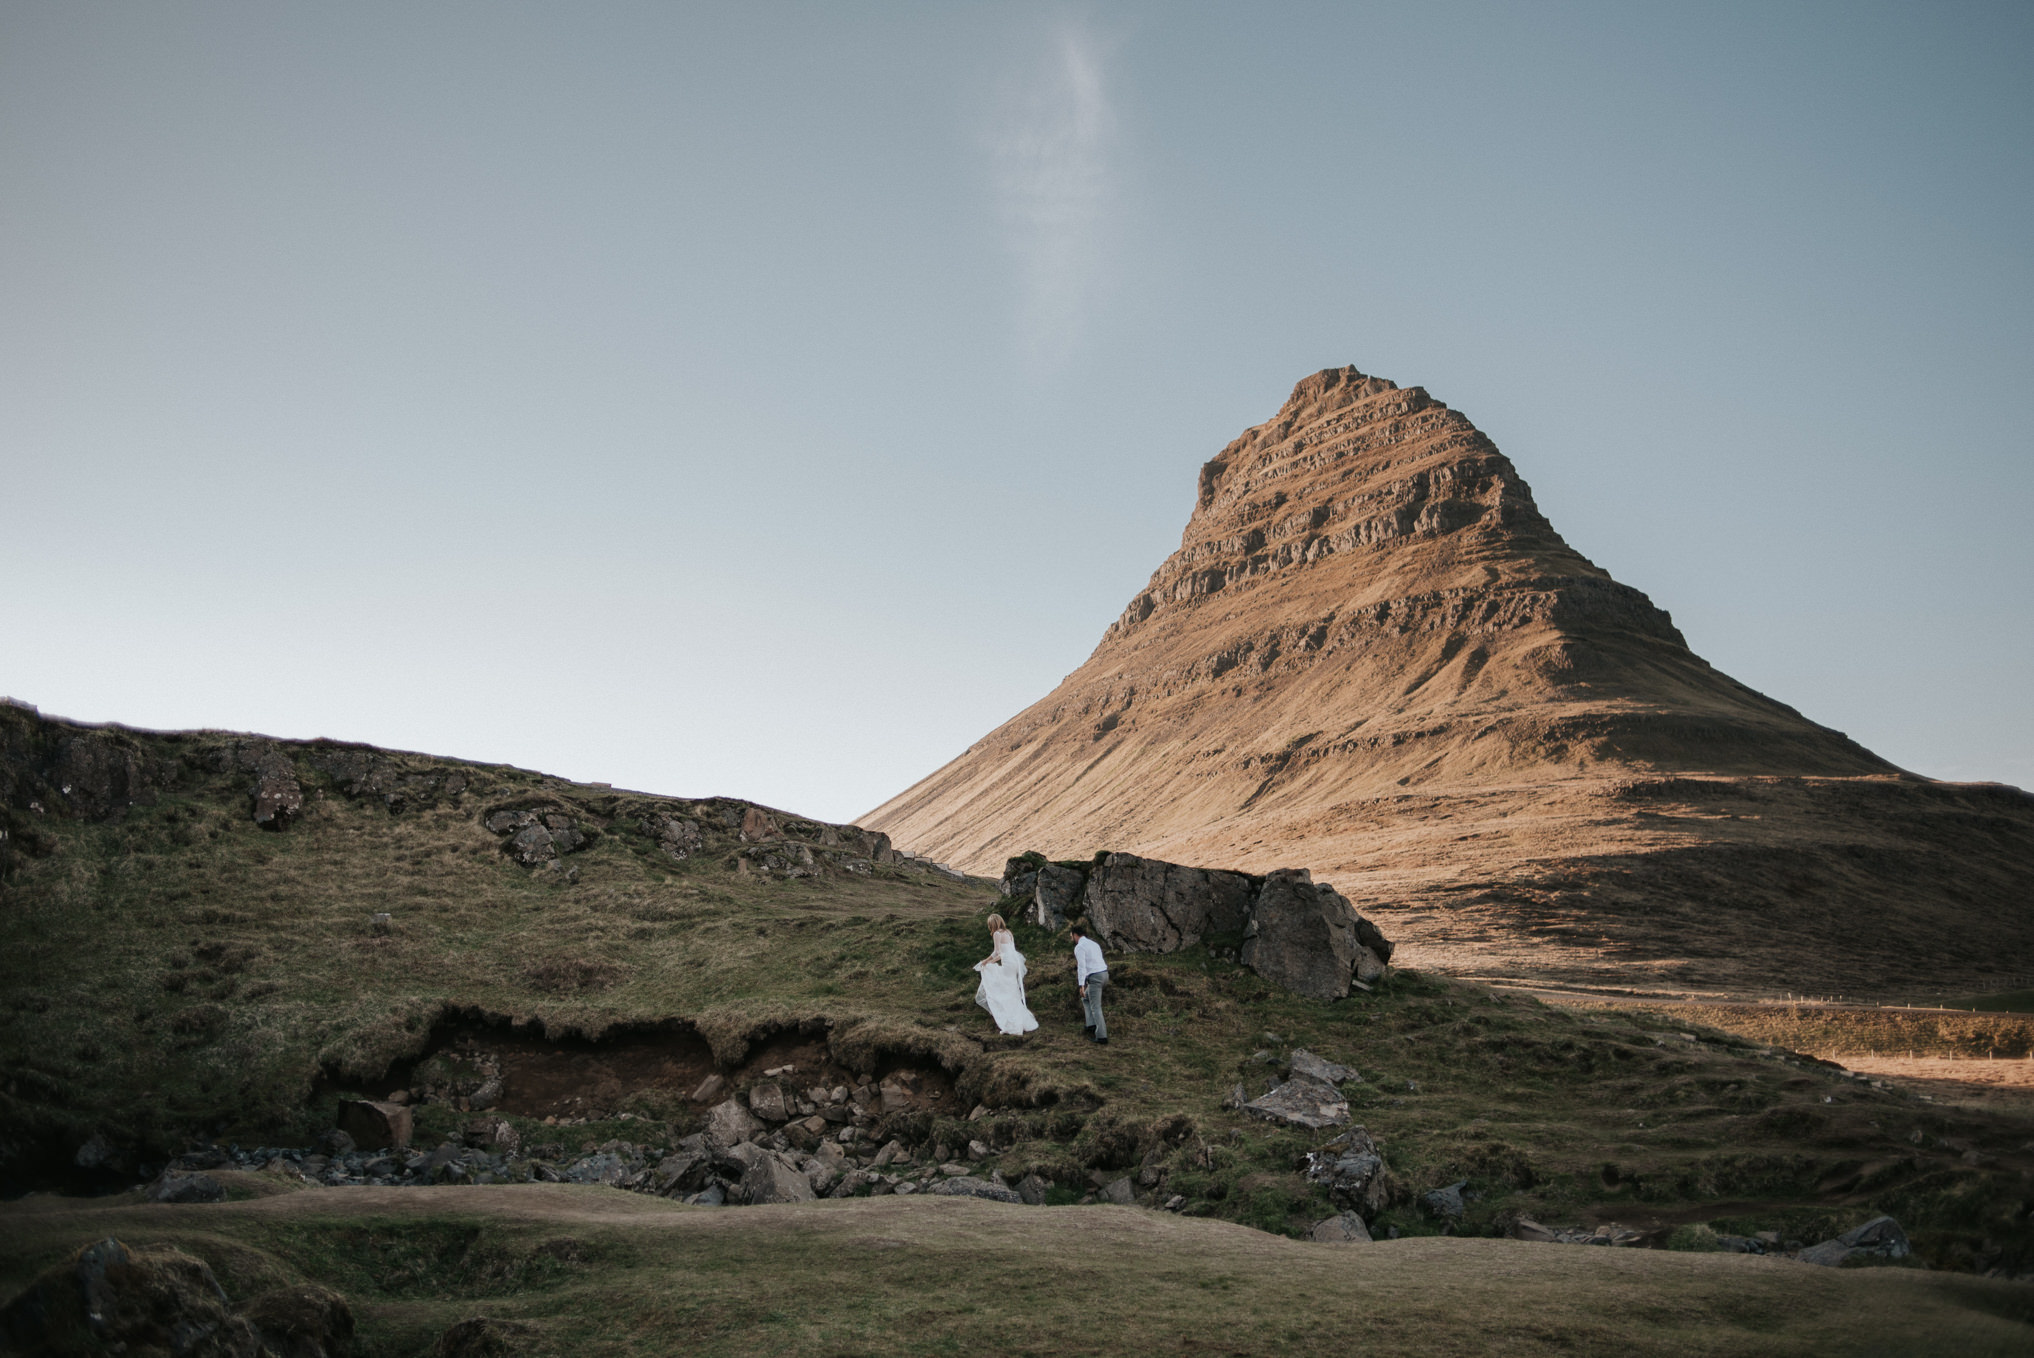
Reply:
x=1091 y=974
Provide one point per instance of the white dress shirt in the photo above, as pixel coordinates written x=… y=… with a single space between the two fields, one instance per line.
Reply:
x=1087 y=960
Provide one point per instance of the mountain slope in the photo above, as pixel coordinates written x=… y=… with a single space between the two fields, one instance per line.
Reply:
x=1372 y=655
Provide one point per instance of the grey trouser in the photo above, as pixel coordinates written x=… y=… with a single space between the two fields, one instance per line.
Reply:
x=1091 y=1003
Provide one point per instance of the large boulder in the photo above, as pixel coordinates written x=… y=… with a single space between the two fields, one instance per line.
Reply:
x=1145 y=905
x=1352 y=1170
x=1295 y=932
x=1345 y=1228
x=176 y=1186
x=767 y=1101
x=374 y=1124
x=729 y=1123
x=1302 y=1101
x=770 y=1179
x=967 y=1186
x=278 y=797
x=1303 y=936
x=1879 y=1238
x=1057 y=895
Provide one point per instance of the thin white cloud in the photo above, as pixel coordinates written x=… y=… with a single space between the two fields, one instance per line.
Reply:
x=1052 y=176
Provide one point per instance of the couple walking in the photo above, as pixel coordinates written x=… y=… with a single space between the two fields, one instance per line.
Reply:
x=1002 y=989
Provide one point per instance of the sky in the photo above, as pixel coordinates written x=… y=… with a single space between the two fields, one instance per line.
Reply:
x=770 y=400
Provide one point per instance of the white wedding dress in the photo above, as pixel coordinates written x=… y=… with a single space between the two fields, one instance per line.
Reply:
x=1002 y=989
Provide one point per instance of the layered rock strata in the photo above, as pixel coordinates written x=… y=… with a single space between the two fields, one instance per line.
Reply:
x=1374 y=657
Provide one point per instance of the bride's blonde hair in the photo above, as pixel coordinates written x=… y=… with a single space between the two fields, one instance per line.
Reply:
x=996 y=922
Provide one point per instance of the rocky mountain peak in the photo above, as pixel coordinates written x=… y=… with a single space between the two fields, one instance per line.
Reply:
x=1374 y=657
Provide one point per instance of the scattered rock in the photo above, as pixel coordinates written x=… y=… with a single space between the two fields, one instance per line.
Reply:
x=1031 y=1189
x=1345 y=1228
x=96 y=1153
x=1305 y=1062
x=277 y=795
x=494 y=1134
x=1176 y=1202
x=968 y=1186
x=1879 y=1238
x=1120 y=1191
x=1352 y=1170
x=767 y=1102
x=770 y=1179
x=1525 y=1228
x=1238 y=1097
x=1301 y=1102
x=172 y=1186
x=375 y=1125
x=602 y=1167
x=729 y=1123
x=1446 y=1203
x=709 y=1089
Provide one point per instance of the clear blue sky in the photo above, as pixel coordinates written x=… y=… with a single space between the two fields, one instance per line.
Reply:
x=770 y=399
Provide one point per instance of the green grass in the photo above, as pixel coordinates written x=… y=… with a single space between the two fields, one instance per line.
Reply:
x=594 y=1271
x=179 y=972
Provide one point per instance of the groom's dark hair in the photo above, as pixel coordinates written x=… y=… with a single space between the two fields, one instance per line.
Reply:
x=1079 y=928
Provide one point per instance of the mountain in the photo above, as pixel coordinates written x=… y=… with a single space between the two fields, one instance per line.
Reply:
x=1373 y=656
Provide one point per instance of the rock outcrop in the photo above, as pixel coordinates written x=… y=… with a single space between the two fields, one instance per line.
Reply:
x=1283 y=925
x=1373 y=657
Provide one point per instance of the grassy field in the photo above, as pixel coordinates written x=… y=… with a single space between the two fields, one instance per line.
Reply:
x=596 y=1271
x=176 y=972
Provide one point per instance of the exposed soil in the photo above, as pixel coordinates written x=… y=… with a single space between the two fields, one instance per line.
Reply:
x=592 y=1079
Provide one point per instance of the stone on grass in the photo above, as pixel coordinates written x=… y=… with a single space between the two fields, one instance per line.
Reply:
x=1525 y=1228
x=1032 y=1189
x=1305 y=1062
x=1301 y=1102
x=1352 y=1170
x=1446 y=1203
x=1120 y=1191
x=1345 y=1228
x=172 y=1186
x=1879 y=1238
x=970 y=1187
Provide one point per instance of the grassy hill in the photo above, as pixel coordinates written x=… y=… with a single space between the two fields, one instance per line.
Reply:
x=169 y=970
x=565 y=1270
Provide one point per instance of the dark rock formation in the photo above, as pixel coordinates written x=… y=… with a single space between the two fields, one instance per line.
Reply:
x=375 y=1125
x=1352 y=1170
x=278 y=797
x=110 y=1299
x=1283 y=925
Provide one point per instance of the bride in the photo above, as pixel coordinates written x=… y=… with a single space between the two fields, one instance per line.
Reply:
x=1002 y=989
